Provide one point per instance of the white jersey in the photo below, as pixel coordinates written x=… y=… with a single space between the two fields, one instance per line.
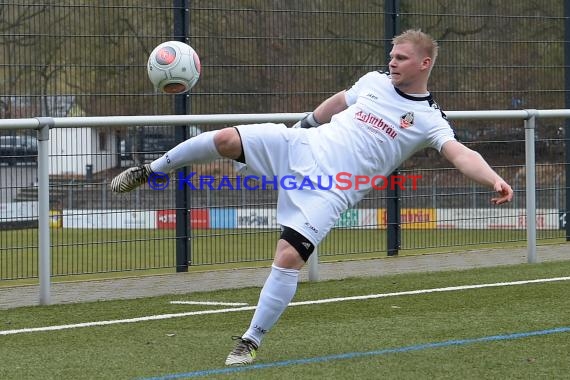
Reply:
x=380 y=129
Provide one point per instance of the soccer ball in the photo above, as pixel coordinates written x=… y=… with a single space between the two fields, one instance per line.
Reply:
x=173 y=67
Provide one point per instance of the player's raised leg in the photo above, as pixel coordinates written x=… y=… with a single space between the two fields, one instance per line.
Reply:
x=205 y=147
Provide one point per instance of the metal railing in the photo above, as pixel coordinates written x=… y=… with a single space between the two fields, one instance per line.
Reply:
x=44 y=124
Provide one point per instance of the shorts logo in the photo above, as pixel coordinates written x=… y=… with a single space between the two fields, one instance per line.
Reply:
x=306 y=245
x=311 y=228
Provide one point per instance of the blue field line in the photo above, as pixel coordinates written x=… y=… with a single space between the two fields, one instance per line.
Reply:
x=353 y=355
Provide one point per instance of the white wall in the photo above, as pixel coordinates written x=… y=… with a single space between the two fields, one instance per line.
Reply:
x=72 y=149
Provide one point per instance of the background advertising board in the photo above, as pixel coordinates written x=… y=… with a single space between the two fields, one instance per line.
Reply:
x=199 y=219
x=223 y=218
x=256 y=218
x=495 y=218
x=129 y=219
x=411 y=218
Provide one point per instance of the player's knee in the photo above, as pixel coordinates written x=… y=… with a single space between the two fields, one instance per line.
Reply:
x=301 y=244
x=228 y=143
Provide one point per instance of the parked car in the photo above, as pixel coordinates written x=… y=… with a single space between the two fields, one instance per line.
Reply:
x=149 y=145
x=18 y=148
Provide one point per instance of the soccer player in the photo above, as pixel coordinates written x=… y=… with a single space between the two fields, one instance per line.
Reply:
x=367 y=130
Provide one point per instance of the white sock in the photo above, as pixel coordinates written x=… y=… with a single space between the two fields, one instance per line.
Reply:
x=278 y=291
x=199 y=149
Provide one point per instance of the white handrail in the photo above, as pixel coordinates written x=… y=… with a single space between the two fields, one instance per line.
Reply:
x=43 y=123
x=216 y=119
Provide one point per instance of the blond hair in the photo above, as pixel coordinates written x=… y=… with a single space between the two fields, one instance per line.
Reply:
x=426 y=44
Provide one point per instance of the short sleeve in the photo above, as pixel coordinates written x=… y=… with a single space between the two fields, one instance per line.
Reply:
x=440 y=134
x=351 y=95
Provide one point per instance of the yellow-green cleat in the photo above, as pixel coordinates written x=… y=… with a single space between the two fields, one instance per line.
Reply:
x=130 y=179
x=243 y=353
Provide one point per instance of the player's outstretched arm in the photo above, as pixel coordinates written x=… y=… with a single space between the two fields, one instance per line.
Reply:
x=474 y=166
x=324 y=112
x=331 y=106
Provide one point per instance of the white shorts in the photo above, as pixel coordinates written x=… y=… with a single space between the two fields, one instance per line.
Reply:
x=273 y=150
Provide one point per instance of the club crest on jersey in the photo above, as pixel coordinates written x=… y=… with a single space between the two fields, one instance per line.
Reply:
x=407 y=120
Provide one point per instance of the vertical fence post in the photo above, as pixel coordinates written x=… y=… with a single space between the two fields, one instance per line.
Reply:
x=314 y=266
x=181 y=107
x=44 y=270
x=393 y=238
x=529 y=126
x=567 y=121
x=567 y=176
x=434 y=191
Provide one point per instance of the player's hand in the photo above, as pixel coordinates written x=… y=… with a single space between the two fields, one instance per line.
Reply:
x=308 y=121
x=505 y=193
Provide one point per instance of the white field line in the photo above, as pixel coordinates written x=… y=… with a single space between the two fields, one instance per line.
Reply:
x=302 y=303
x=208 y=303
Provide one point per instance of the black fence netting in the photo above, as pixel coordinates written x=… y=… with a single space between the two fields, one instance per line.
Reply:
x=88 y=58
